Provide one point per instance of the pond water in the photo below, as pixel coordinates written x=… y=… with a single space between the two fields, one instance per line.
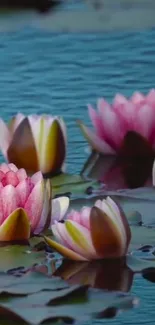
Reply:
x=60 y=74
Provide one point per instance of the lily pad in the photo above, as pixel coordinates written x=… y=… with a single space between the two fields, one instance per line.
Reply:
x=16 y=256
x=76 y=303
x=141 y=236
x=72 y=185
x=140 y=264
x=30 y=283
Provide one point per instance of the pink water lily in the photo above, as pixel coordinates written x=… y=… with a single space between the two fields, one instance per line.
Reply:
x=92 y=233
x=25 y=203
x=112 y=122
x=35 y=143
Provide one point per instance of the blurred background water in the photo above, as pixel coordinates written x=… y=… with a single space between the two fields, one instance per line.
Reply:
x=41 y=72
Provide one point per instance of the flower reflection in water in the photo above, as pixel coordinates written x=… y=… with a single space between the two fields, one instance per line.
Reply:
x=112 y=275
x=131 y=168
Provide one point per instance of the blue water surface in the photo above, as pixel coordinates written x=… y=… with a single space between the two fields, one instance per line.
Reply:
x=57 y=74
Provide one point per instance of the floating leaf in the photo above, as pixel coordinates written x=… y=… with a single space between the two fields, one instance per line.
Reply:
x=87 y=304
x=135 y=218
x=141 y=236
x=30 y=283
x=16 y=256
x=72 y=185
x=139 y=264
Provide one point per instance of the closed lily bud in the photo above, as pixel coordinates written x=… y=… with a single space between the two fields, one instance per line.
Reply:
x=35 y=143
x=92 y=233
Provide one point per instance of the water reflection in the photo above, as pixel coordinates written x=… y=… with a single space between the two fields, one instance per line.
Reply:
x=112 y=275
x=131 y=168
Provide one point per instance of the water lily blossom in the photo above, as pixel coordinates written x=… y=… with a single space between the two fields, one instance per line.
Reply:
x=112 y=122
x=35 y=143
x=93 y=233
x=25 y=203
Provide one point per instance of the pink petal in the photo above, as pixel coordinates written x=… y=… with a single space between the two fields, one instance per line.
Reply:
x=74 y=215
x=67 y=240
x=34 y=205
x=150 y=98
x=37 y=177
x=96 y=121
x=85 y=217
x=4 y=168
x=102 y=104
x=144 y=121
x=137 y=98
x=119 y=99
x=8 y=201
x=81 y=237
x=10 y=178
x=13 y=167
x=60 y=233
x=46 y=211
x=2 y=175
x=97 y=143
x=126 y=113
x=23 y=190
x=57 y=235
x=112 y=126
x=21 y=174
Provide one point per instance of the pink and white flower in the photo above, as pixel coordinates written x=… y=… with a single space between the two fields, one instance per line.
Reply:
x=25 y=203
x=92 y=233
x=112 y=122
x=35 y=143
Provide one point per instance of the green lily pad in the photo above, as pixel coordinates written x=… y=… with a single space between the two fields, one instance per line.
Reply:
x=74 y=303
x=72 y=185
x=17 y=256
x=30 y=283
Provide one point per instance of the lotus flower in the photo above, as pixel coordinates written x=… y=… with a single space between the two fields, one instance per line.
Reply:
x=93 y=233
x=35 y=143
x=112 y=122
x=25 y=203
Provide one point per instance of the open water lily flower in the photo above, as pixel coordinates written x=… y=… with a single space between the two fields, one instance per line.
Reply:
x=112 y=122
x=25 y=203
x=93 y=233
x=35 y=143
